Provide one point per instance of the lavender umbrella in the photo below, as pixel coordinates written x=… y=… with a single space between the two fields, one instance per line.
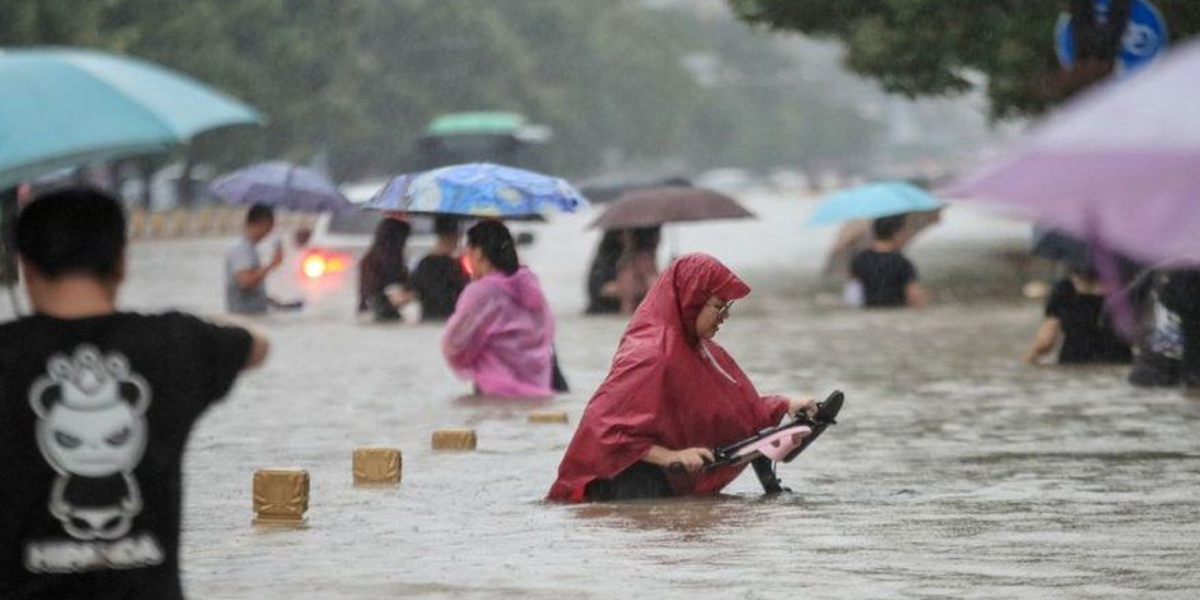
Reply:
x=1119 y=167
x=281 y=185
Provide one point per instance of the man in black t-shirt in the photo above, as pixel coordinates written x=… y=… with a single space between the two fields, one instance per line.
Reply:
x=439 y=278
x=95 y=411
x=885 y=276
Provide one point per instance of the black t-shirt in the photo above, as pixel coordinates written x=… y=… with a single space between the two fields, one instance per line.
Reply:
x=1088 y=337
x=94 y=417
x=884 y=277
x=438 y=280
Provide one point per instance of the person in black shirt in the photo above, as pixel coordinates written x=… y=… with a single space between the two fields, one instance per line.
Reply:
x=439 y=277
x=886 y=278
x=1075 y=311
x=96 y=407
x=1181 y=295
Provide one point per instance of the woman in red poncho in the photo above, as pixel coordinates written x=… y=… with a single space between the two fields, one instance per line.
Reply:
x=672 y=394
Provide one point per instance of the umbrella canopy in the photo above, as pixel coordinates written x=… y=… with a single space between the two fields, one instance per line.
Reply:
x=1120 y=165
x=606 y=188
x=479 y=190
x=873 y=201
x=281 y=185
x=62 y=108
x=655 y=206
x=1075 y=254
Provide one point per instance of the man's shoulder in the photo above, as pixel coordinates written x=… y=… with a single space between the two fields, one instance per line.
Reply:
x=18 y=325
x=168 y=323
x=239 y=247
x=862 y=256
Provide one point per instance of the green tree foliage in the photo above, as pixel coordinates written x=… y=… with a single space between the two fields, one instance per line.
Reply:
x=360 y=78
x=931 y=47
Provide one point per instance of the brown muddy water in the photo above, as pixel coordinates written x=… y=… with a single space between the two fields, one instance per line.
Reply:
x=954 y=472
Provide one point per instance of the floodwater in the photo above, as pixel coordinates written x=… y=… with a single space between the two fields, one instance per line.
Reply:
x=954 y=470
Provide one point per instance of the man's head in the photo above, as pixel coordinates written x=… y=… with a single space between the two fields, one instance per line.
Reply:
x=72 y=232
x=886 y=228
x=260 y=220
x=447 y=228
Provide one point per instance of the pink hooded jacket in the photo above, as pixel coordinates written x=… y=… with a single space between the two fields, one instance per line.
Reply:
x=500 y=336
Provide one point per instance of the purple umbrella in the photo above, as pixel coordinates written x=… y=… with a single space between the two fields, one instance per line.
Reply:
x=281 y=185
x=1119 y=167
x=655 y=206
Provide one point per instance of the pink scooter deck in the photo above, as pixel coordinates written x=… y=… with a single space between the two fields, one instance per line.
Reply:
x=775 y=446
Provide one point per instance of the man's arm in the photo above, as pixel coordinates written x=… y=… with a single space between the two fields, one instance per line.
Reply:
x=249 y=278
x=1043 y=340
x=260 y=347
x=914 y=296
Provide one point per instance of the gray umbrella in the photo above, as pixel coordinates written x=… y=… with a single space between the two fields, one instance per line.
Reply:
x=281 y=185
x=656 y=206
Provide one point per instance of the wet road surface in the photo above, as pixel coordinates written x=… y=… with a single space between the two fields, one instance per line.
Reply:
x=954 y=471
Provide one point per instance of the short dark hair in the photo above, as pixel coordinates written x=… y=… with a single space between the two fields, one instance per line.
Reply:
x=259 y=213
x=497 y=244
x=76 y=230
x=444 y=225
x=885 y=228
x=645 y=239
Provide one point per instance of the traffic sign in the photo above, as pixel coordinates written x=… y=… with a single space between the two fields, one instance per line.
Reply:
x=1144 y=40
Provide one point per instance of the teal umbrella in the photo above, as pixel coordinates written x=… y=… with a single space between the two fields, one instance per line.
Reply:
x=873 y=201
x=63 y=107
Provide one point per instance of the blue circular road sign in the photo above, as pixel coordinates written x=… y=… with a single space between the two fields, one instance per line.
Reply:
x=1145 y=37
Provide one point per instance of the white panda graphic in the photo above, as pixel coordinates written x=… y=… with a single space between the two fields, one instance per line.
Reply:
x=92 y=429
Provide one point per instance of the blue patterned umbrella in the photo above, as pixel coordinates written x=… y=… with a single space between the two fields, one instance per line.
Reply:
x=478 y=190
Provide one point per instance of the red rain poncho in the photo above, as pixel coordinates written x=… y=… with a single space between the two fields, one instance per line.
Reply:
x=668 y=388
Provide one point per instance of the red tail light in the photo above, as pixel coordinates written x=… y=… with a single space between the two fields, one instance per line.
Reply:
x=318 y=264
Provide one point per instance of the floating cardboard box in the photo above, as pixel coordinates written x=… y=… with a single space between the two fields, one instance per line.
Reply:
x=454 y=439
x=280 y=496
x=548 y=416
x=374 y=466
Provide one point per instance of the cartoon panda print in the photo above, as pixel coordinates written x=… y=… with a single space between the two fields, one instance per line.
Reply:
x=92 y=430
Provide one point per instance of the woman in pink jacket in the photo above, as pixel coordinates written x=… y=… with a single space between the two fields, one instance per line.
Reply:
x=501 y=332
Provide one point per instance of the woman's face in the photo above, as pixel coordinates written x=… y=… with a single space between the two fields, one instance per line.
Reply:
x=476 y=263
x=709 y=321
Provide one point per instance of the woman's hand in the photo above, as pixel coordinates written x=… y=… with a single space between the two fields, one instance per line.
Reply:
x=806 y=405
x=692 y=459
x=397 y=295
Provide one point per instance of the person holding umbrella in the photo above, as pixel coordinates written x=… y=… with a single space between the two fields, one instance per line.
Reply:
x=603 y=296
x=638 y=268
x=886 y=278
x=383 y=270
x=245 y=275
x=439 y=278
x=501 y=334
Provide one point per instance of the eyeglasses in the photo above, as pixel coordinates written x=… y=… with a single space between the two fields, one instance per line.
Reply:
x=723 y=311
